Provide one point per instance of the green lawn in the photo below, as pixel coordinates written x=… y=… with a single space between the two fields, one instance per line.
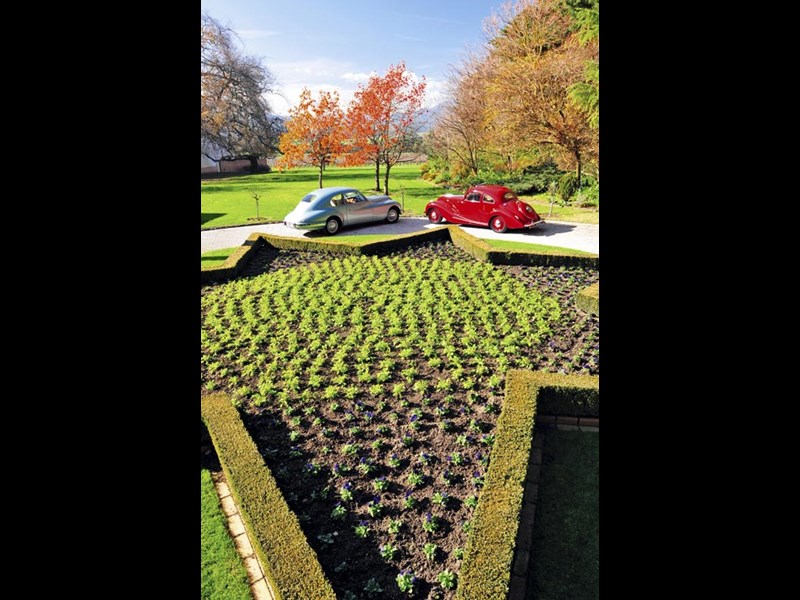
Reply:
x=571 y=214
x=222 y=574
x=215 y=258
x=565 y=562
x=541 y=248
x=229 y=201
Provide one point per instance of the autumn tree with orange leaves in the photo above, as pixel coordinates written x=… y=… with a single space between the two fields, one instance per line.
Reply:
x=383 y=118
x=314 y=132
x=535 y=59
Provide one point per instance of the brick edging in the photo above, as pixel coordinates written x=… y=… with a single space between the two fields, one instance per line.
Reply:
x=568 y=423
x=259 y=586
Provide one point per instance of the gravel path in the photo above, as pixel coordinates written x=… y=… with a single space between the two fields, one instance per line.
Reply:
x=576 y=236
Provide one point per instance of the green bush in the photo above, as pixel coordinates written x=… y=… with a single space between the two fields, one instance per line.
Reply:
x=588 y=300
x=588 y=196
x=291 y=565
x=567 y=186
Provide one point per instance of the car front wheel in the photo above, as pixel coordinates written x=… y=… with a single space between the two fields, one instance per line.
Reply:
x=434 y=216
x=498 y=225
x=332 y=226
x=392 y=215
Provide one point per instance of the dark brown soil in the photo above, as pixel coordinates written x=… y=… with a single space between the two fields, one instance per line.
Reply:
x=312 y=468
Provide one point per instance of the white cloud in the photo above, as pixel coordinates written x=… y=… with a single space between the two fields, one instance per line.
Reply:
x=358 y=77
x=317 y=74
x=435 y=92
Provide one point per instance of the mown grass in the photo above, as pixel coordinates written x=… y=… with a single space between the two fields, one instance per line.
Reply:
x=565 y=562
x=214 y=258
x=540 y=248
x=229 y=201
x=222 y=574
x=570 y=214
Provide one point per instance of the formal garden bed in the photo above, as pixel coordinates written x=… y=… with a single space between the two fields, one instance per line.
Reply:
x=371 y=386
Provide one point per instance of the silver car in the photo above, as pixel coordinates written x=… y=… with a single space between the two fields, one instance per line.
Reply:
x=332 y=208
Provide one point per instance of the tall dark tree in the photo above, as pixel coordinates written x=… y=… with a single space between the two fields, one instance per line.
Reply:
x=235 y=119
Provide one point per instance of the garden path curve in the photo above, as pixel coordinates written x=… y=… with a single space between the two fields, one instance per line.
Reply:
x=575 y=236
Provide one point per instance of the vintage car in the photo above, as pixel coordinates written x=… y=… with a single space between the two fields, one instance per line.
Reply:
x=332 y=208
x=485 y=205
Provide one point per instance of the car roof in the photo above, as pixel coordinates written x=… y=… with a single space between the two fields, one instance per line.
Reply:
x=329 y=191
x=493 y=189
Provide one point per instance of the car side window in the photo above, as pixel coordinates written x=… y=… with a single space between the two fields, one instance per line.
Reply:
x=488 y=199
x=474 y=197
x=337 y=200
x=353 y=197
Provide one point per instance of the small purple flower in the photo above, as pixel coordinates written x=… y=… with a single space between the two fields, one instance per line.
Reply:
x=376 y=498
x=363 y=460
x=363 y=523
x=394 y=455
x=347 y=486
x=408 y=493
x=413 y=418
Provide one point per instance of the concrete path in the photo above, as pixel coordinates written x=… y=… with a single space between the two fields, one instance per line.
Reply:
x=575 y=236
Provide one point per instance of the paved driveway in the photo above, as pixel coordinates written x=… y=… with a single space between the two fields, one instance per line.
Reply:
x=576 y=236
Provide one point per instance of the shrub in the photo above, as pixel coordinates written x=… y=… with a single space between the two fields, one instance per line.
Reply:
x=567 y=186
x=588 y=196
x=291 y=565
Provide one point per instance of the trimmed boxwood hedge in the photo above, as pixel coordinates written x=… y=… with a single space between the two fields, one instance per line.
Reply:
x=568 y=395
x=234 y=264
x=588 y=300
x=473 y=246
x=489 y=552
x=486 y=253
x=290 y=564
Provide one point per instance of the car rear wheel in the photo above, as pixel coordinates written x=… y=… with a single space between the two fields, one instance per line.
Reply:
x=332 y=226
x=498 y=225
x=392 y=215
x=434 y=216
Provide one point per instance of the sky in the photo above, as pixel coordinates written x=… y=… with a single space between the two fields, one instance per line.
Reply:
x=336 y=44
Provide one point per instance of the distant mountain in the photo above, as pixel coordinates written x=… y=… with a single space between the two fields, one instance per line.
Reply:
x=427 y=117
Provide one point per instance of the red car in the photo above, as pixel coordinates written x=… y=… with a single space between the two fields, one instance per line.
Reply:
x=493 y=206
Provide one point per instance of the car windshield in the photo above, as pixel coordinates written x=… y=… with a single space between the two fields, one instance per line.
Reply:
x=308 y=198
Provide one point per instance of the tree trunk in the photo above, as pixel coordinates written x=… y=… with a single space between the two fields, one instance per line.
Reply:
x=378 y=174
x=386 y=180
x=253 y=163
x=321 y=167
x=578 y=173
